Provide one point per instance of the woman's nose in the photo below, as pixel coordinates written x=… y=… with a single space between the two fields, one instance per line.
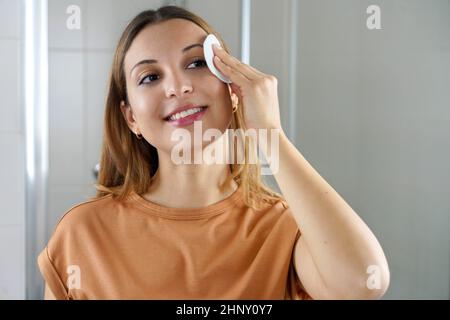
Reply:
x=179 y=86
x=184 y=89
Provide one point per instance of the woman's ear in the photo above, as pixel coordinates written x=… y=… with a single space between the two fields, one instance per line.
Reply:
x=127 y=114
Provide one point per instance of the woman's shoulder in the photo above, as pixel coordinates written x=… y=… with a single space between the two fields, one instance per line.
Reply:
x=83 y=214
x=277 y=207
x=274 y=211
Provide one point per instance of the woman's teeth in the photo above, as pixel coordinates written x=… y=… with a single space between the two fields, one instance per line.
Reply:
x=184 y=113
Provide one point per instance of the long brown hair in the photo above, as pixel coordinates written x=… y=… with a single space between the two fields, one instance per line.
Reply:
x=128 y=164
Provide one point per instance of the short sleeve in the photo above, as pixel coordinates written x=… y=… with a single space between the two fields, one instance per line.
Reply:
x=51 y=276
x=52 y=261
x=294 y=287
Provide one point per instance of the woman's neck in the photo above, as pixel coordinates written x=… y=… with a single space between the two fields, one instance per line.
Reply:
x=190 y=186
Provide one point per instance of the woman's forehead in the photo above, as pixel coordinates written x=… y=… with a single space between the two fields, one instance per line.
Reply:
x=155 y=41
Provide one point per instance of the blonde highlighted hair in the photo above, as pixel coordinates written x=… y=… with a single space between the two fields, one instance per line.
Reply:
x=127 y=163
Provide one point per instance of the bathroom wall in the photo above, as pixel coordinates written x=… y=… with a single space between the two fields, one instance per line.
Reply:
x=12 y=165
x=373 y=118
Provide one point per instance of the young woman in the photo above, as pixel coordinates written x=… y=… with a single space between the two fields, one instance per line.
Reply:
x=164 y=230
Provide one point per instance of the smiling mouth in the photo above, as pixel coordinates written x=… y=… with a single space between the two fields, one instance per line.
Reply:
x=185 y=114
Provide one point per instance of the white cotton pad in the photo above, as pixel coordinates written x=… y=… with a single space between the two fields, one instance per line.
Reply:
x=209 y=55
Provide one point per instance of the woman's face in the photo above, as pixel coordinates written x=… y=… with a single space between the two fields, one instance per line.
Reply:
x=179 y=77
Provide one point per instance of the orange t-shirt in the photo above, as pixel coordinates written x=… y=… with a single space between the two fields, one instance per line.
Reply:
x=137 y=249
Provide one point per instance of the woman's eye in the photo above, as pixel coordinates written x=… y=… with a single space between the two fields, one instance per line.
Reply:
x=147 y=77
x=200 y=64
x=201 y=61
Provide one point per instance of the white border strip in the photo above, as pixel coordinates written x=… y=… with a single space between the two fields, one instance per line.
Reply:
x=245 y=30
x=35 y=75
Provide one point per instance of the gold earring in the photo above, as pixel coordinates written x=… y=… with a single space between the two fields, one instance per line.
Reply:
x=138 y=135
x=235 y=107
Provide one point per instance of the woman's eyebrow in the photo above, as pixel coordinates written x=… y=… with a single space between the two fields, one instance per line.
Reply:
x=149 y=61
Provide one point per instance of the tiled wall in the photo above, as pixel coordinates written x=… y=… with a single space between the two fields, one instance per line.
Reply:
x=12 y=166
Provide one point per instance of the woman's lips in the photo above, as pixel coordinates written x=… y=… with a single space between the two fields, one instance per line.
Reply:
x=189 y=119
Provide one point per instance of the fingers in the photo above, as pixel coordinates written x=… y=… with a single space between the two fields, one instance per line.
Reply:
x=236 y=65
x=231 y=73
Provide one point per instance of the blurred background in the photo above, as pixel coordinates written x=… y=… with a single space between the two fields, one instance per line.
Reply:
x=368 y=108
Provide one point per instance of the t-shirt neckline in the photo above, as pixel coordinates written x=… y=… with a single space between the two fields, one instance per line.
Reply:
x=188 y=213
